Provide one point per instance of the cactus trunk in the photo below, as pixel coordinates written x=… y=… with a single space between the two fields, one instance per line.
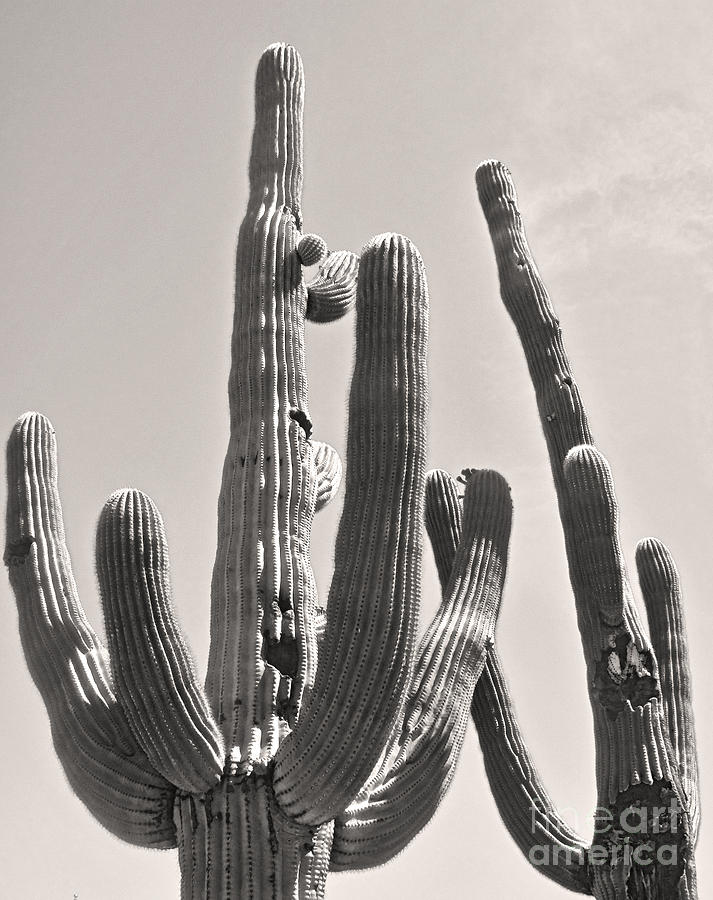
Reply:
x=262 y=653
x=234 y=841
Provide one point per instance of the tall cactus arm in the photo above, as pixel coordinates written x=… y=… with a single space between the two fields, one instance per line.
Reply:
x=365 y=658
x=661 y=589
x=94 y=743
x=450 y=660
x=153 y=672
x=524 y=805
x=332 y=292
x=329 y=473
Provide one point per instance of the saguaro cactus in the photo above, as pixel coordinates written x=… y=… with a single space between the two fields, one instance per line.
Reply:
x=319 y=745
x=646 y=825
x=262 y=779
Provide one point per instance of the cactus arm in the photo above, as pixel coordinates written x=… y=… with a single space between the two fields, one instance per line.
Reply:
x=153 y=672
x=329 y=473
x=105 y=767
x=635 y=765
x=365 y=658
x=661 y=589
x=452 y=652
x=450 y=659
x=332 y=292
x=524 y=805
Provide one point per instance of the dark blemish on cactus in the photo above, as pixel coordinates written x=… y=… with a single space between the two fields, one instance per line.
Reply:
x=624 y=676
x=193 y=814
x=567 y=380
x=17 y=552
x=242 y=461
x=285 y=601
x=300 y=417
x=282 y=654
x=209 y=815
x=611 y=619
x=308 y=847
x=643 y=820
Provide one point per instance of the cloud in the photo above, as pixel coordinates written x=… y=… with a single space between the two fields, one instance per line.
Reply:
x=642 y=186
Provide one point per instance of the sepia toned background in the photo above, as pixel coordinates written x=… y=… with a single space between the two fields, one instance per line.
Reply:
x=124 y=179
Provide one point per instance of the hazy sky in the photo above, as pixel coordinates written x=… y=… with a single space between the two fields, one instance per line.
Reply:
x=124 y=168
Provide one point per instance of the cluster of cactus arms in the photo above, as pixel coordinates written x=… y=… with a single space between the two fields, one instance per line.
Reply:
x=326 y=741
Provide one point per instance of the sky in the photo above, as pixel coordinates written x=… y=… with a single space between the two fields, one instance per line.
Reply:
x=124 y=179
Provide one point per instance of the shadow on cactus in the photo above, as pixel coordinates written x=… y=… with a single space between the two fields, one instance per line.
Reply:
x=327 y=745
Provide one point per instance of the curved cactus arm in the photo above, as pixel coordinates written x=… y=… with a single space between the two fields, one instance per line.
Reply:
x=329 y=472
x=450 y=660
x=153 y=672
x=524 y=804
x=332 y=292
x=91 y=735
x=661 y=589
x=452 y=653
x=365 y=660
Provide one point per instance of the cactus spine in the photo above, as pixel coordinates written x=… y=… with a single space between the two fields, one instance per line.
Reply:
x=327 y=743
